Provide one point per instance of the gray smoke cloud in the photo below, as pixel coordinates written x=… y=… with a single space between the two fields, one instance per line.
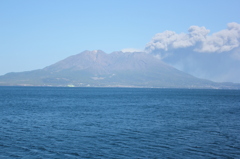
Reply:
x=215 y=57
x=198 y=39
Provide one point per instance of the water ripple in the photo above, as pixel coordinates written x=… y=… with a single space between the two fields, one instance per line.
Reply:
x=118 y=123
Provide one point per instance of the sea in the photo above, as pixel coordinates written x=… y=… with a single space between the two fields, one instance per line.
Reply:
x=62 y=122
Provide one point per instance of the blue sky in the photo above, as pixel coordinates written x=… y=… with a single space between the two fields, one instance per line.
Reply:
x=37 y=33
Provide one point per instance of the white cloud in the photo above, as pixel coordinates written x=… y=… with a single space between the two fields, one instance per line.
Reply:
x=222 y=41
x=131 y=50
x=197 y=38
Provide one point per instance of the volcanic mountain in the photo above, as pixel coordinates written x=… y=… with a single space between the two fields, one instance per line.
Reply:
x=118 y=69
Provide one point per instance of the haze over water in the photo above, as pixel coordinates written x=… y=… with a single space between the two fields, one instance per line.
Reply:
x=48 y=122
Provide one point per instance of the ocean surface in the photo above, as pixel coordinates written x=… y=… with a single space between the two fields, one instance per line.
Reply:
x=48 y=122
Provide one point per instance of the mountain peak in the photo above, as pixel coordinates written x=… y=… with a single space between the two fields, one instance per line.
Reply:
x=93 y=51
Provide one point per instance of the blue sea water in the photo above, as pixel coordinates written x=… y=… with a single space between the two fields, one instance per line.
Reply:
x=48 y=122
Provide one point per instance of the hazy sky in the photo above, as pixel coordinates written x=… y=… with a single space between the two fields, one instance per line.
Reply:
x=37 y=33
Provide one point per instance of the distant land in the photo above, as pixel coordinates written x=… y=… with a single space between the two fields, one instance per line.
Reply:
x=118 y=69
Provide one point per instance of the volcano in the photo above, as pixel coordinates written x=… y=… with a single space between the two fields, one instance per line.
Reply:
x=118 y=69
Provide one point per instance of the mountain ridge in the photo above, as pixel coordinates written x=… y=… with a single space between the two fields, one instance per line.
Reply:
x=117 y=69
